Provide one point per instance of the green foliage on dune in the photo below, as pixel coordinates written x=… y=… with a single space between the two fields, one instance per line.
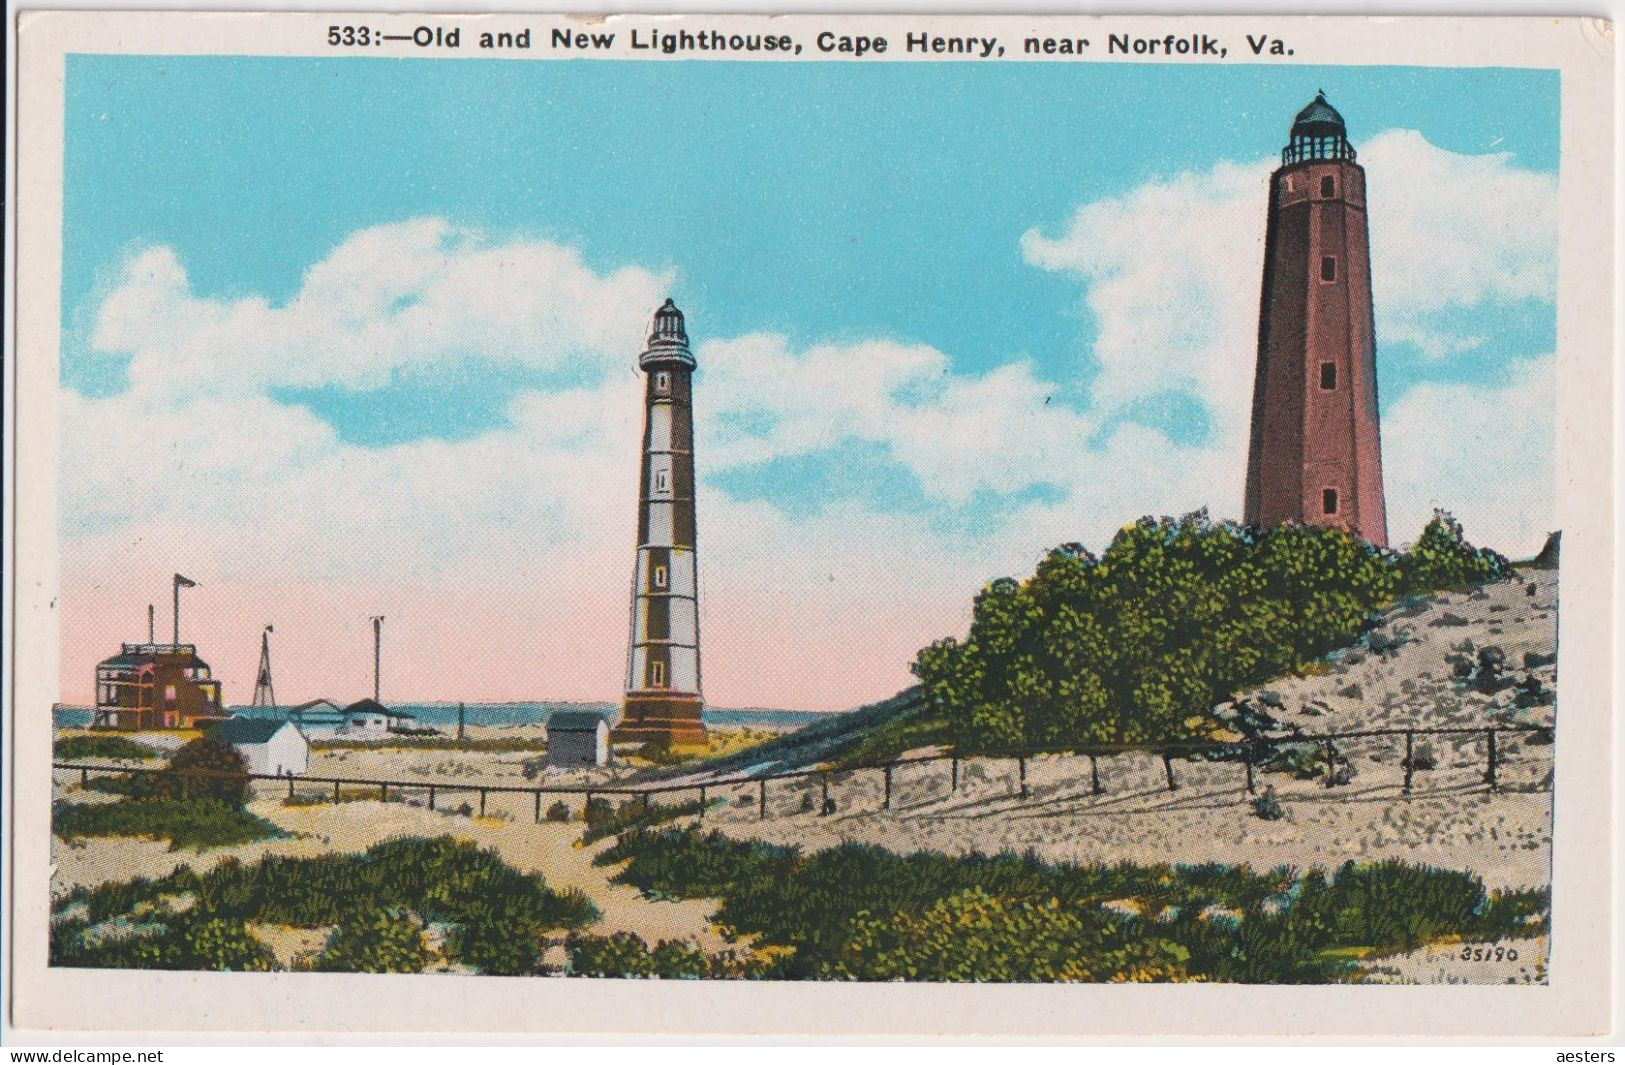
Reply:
x=373 y=902
x=186 y=823
x=1135 y=645
x=102 y=746
x=859 y=912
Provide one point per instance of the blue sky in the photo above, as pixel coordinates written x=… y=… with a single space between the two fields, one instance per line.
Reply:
x=947 y=315
x=822 y=201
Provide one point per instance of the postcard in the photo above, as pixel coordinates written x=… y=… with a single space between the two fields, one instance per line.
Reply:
x=898 y=525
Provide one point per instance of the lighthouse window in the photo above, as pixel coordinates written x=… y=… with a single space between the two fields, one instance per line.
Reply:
x=662 y=382
x=1328 y=268
x=660 y=480
x=1328 y=500
x=660 y=576
x=1328 y=187
x=657 y=674
x=1328 y=376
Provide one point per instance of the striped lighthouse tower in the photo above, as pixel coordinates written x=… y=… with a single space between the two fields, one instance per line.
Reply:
x=663 y=698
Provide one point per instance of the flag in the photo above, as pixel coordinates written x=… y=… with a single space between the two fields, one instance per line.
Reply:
x=184 y=582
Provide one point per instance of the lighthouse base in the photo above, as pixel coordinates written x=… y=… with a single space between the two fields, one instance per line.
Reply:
x=669 y=719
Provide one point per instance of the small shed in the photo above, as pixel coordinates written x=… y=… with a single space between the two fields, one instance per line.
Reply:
x=577 y=738
x=366 y=717
x=266 y=744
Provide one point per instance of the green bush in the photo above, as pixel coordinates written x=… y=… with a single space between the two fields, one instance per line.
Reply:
x=187 y=942
x=185 y=823
x=626 y=956
x=634 y=814
x=497 y=915
x=973 y=936
x=115 y=748
x=202 y=769
x=1139 y=644
x=1443 y=560
x=559 y=811
x=375 y=939
x=860 y=912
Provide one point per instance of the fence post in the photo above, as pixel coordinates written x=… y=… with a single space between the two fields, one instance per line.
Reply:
x=1247 y=756
x=761 y=799
x=702 y=800
x=823 y=803
x=290 y=785
x=1168 y=771
x=84 y=778
x=336 y=793
x=383 y=791
x=1489 y=778
x=538 y=807
x=482 y=802
x=1410 y=759
x=431 y=796
x=887 y=803
x=585 y=806
x=1094 y=777
x=954 y=787
x=1331 y=765
x=1021 y=771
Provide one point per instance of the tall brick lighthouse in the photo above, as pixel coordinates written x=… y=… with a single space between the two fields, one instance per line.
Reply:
x=663 y=661
x=1316 y=452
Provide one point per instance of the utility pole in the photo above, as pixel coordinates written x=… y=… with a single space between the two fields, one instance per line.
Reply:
x=459 y=722
x=152 y=624
x=180 y=582
x=264 y=693
x=377 y=654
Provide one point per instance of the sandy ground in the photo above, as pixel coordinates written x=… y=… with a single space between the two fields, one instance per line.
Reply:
x=1450 y=819
x=549 y=848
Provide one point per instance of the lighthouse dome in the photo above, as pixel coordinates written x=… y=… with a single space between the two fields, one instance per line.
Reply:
x=1319 y=119
x=668 y=337
x=1318 y=134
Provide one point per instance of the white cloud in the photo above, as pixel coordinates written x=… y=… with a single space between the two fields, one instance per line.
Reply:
x=1483 y=453
x=196 y=464
x=388 y=298
x=1171 y=271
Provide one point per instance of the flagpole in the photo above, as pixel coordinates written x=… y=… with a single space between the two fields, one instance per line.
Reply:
x=177 y=639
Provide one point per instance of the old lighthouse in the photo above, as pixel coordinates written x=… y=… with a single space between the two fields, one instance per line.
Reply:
x=663 y=699
x=1316 y=453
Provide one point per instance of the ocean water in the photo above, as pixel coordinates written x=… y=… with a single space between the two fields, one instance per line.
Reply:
x=444 y=715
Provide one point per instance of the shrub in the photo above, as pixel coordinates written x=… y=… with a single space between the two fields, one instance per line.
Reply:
x=862 y=912
x=559 y=811
x=625 y=955
x=597 y=812
x=185 y=823
x=1443 y=560
x=188 y=942
x=375 y=939
x=1135 y=646
x=974 y=936
x=203 y=769
x=115 y=748
x=1422 y=758
x=635 y=815
x=1267 y=806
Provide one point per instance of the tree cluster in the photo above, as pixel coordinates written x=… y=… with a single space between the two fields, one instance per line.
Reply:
x=1138 y=644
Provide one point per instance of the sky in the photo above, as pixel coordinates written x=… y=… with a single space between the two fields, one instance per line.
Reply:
x=357 y=336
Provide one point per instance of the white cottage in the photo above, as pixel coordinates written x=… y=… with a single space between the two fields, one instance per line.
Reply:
x=577 y=739
x=266 y=745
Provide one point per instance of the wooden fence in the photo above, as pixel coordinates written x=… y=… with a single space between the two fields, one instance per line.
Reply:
x=1242 y=752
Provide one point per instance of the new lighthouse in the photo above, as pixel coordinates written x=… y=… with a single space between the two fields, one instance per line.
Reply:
x=1315 y=455
x=663 y=699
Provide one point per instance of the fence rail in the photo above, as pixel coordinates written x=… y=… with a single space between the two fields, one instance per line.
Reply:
x=1243 y=751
